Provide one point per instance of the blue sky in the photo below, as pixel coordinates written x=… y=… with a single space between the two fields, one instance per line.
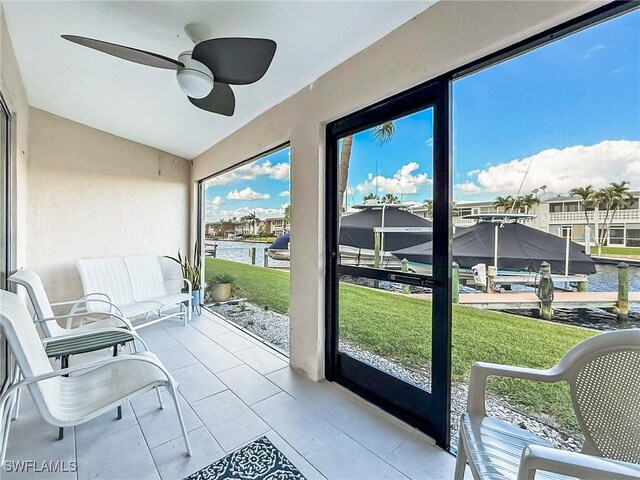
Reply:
x=566 y=114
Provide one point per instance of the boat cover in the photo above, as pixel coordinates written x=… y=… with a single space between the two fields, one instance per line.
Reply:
x=356 y=229
x=520 y=248
x=281 y=243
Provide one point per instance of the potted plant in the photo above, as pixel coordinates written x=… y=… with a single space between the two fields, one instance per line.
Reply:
x=221 y=287
x=192 y=271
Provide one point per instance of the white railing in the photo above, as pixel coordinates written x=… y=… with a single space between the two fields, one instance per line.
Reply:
x=464 y=221
x=620 y=215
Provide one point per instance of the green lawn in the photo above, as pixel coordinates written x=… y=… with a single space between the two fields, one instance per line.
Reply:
x=398 y=327
x=635 y=251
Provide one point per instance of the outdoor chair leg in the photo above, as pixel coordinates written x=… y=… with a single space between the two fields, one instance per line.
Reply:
x=16 y=377
x=64 y=363
x=461 y=459
x=160 y=398
x=115 y=354
x=174 y=395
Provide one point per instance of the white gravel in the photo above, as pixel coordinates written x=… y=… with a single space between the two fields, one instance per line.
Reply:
x=274 y=328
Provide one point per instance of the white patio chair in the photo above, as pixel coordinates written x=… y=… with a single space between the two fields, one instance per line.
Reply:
x=75 y=395
x=48 y=321
x=603 y=373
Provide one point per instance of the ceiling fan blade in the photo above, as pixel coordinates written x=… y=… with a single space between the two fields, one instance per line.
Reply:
x=238 y=61
x=221 y=100
x=126 y=53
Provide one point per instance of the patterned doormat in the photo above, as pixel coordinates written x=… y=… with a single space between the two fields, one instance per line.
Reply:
x=260 y=460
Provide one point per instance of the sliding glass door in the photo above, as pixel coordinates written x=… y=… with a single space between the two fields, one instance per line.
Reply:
x=388 y=319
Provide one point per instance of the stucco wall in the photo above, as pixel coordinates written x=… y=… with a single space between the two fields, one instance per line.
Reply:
x=92 y=194
x=447 y=35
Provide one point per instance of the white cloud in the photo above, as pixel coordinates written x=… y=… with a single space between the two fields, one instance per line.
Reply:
x=261 y=213
x=592 y=50
x=247 y=194
x=403 y=182
x=563 y=169
x=284 y=193
x=429 y=142
x=471 y=173
x=217 y=201
x=468 y=188
x=279 y=171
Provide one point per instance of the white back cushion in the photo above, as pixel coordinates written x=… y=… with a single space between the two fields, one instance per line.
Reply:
x=145 y=276
x=105 y=275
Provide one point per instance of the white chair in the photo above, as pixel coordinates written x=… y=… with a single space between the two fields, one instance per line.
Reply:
x=75 y=395
x=603 y=374
x=47 y=319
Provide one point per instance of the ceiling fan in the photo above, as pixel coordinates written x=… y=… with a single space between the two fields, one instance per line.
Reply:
x=205 y=73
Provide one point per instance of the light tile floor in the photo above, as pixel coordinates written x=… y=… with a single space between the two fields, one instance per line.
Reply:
x=233 y=389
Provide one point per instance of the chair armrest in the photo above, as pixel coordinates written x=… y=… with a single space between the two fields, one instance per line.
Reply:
x=480 y=371
x=189 y=285
x=573 y=464
x=70 y=316
x=82 y=299
x=59 y=338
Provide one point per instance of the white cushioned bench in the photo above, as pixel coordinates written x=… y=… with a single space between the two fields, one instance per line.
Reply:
x=134 y=285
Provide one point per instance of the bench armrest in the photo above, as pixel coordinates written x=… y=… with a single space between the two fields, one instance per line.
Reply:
x=573 y=464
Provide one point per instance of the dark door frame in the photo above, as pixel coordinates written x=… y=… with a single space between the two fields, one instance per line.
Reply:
x=428 y=412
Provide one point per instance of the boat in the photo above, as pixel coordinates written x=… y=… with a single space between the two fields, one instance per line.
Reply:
x=505 y=241
x=398 y=228
x=280 y=248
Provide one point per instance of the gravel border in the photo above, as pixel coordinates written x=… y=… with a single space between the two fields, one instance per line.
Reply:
x=273 y=327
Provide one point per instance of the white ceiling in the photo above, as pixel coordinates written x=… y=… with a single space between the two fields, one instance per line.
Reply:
x=145 y=104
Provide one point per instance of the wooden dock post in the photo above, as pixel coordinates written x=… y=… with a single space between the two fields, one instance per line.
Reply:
x=215 y=250
x=582 y=286
x=491 y=282
x=252 y=254
x=377 y=240
x=623 y=292
x=405 y=268
x=266 y=257
x=545 y=291
x=455 y=282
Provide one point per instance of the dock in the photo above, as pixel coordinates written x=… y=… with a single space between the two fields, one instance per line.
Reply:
x=529 y=300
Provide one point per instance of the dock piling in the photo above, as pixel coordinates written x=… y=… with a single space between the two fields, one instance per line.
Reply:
x=455 y=282
x=545 y=291
x=623 y=292
x=405 y=268
x=266 y=257
x=252 y=254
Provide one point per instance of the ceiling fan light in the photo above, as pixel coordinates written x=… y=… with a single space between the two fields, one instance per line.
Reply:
x=195 y=79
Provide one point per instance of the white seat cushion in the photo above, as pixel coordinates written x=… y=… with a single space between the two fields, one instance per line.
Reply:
x=173 y=299
x=139 y=308
x=495 y=447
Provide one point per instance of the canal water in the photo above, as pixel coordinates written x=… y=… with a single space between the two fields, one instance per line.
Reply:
x=605 y=280
x=240 y=252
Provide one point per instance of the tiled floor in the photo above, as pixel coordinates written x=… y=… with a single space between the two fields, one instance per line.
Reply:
x=233 y=390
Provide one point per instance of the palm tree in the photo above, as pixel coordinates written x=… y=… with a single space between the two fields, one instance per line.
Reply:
x=529 y=201
x=287 y=214
x=428 y=206
x=506 y=203
x=380 y=135
x=586 y=195
x=390 y=198
x=369 y=196
x=615 y=197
